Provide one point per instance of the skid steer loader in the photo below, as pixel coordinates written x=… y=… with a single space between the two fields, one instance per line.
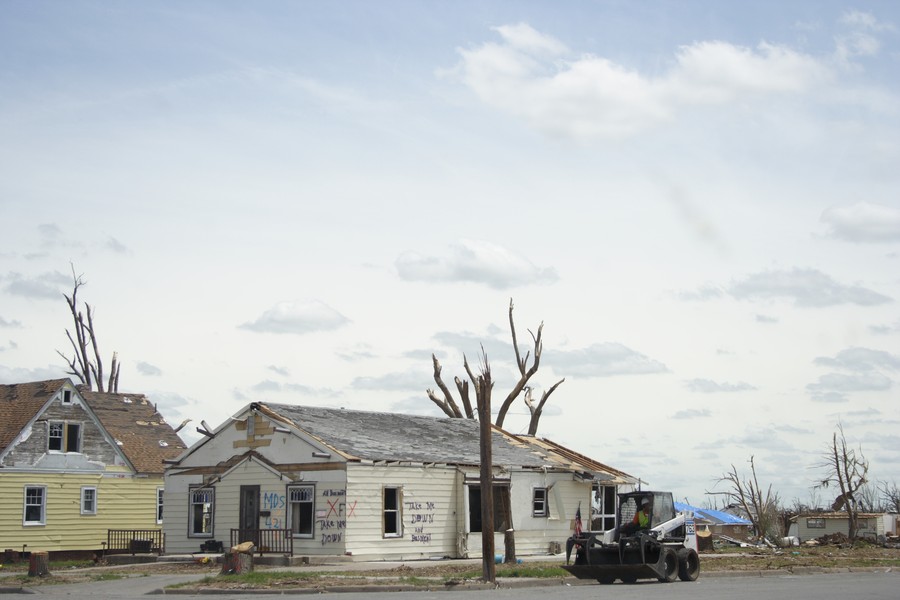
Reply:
x=665 y=548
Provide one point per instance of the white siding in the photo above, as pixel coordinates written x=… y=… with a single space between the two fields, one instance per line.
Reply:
x=428 y=512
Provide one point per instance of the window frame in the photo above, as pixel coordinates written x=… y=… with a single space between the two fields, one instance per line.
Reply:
x=502 y=507
x=42 y=507
x=815 y=523
x=539 y=505
x=289 y=510
x=192 y=519
x=160 y=492
x=68 y=431
x=85 y=492
x=397 y=511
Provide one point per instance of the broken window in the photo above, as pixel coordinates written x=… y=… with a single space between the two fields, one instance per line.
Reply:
x=392 y=519
x=501 y=508
x=201 y=512
x=815 y=523
x=301 y=510
x=63 y=436
x=603 y=507
x=539 y=502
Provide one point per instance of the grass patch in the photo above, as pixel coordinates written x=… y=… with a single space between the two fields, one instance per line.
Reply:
x=529 y=571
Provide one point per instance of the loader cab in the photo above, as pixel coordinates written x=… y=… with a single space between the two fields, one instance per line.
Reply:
x=662 y=509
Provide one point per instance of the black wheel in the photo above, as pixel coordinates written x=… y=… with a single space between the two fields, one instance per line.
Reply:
x=670 y=561
x=606 y=579
x=688 y=565
x=629 y=579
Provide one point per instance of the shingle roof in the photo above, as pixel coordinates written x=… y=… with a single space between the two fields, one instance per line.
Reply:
x=20 y=402
x=141 y=432
x=399 y=437
x=146 y=439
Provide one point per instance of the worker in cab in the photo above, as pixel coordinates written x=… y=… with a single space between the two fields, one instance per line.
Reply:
x=641 y=520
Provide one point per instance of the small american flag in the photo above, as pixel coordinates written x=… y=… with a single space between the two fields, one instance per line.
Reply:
x=578 y=520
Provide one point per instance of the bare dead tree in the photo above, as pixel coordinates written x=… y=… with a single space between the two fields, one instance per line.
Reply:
x=762 y=509
x=483 y=387
x=890 y=496
x=845 y=469
x=86 y=363
x=448 y=404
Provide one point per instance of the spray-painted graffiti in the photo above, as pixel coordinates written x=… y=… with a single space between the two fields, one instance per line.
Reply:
x=274 y=503
x=331 y=521
x=421 y=514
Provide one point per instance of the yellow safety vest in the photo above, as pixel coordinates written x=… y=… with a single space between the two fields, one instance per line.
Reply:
x=643 y=520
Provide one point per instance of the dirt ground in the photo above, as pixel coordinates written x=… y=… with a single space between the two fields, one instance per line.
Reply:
x=740 y=559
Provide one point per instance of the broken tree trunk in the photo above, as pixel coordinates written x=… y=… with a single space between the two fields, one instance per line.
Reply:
x=39 y=564
x=509 y=546
x=236 y=563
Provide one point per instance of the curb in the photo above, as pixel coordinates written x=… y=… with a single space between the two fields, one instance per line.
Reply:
x=509 y=583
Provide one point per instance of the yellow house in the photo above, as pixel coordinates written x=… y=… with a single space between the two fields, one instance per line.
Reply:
x=76 y=464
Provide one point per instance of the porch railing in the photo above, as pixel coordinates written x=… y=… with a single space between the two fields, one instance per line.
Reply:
x=267 y=541
x=135 y=541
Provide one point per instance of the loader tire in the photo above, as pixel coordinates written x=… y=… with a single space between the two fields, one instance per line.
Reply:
x=606 y=579
x=670 y=560
x=688 y=564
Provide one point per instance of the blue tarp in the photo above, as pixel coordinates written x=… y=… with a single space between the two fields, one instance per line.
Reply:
x=714 y=516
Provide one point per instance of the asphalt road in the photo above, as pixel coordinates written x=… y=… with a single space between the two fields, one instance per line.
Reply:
x=839 y=586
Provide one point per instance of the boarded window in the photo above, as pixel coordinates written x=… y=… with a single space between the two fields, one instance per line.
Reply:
x=301 y=510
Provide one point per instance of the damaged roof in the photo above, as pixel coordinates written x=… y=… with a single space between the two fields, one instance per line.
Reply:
x=131 y=420
x=20 y=402
x=382 y=436
x=138 y=429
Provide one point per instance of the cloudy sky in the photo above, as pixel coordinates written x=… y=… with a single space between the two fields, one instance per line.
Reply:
x=299 y=202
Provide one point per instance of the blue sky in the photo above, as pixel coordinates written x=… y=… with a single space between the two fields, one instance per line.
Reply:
x=301 y=201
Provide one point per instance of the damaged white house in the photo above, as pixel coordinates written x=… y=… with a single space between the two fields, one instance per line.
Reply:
x=306 y=481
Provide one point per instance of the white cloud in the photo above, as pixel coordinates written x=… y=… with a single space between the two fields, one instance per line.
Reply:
x=297 y=318
x=528 y=76
x=42 y=287
x=602 y=360
x=860 y=359
x=706 y=386
x=692 y=413
x=145 y=368
x=476 y=262
x=863 y=222
x=806 y=287
x=19 y=374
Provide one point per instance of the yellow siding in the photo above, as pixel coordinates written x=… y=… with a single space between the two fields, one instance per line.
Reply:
x=123 y=502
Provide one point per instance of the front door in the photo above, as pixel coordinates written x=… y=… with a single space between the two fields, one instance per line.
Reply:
x=249 y=513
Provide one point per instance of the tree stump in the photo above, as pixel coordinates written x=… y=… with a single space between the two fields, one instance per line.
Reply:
x=509 y=542
x=235 y=563
x=39 y=564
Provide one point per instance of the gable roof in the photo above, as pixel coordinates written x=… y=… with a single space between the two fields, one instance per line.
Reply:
x=138 y=429
x=382 y=436
x=20 y=402
x=136 y=426
x=600 y=471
